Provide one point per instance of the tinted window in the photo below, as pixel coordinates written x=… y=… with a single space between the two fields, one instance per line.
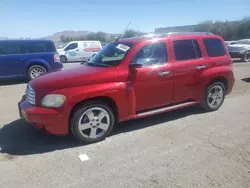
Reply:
x=71 y=46
x=214 y=47
x=155 y=53
x=21 y=47
x=11 y=47
x=40 y=47
x=186 y=49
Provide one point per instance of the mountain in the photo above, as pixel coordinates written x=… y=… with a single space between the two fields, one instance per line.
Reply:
x=69 y=33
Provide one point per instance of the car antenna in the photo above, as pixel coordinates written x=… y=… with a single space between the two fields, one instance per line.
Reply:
x=123 y=32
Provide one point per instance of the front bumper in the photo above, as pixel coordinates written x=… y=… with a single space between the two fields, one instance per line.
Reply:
x=48 y=119
x=236 y=54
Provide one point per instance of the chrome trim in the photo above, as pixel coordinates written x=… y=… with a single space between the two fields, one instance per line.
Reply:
x=166 y=108
x=30 y=95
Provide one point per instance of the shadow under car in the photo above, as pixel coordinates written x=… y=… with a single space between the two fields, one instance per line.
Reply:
x=20 y=138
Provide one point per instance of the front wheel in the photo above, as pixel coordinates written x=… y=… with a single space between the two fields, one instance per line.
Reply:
x=92 y=122
x=246 y=56
x=214 y=97
x=63 y=59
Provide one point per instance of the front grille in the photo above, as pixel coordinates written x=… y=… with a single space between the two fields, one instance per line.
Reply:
x=30 y=95
x=232 y=49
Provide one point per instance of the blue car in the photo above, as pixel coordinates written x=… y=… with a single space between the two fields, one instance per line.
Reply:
x=28 y=58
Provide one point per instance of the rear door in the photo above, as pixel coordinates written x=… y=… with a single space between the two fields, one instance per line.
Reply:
x=189 y=63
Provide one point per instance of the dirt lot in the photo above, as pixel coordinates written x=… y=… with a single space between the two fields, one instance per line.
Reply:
x=185 y=148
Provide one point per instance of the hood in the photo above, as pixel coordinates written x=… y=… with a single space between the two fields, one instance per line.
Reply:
x=239 y=45
x=72 y=77
x=61 y=51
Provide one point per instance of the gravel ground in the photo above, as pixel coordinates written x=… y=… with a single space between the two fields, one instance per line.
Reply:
x=184 y=148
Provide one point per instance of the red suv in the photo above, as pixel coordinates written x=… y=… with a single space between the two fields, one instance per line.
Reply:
x=128 y=79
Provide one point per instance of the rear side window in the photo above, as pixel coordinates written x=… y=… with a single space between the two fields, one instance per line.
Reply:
x=11 y=48
x=214 y=47
x=40 y=47
x=23 y=47
x=186 y=49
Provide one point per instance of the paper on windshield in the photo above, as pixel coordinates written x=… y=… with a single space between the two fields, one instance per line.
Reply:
x=123 y=47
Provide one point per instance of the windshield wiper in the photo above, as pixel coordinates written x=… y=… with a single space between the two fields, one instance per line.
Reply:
x=99 y=64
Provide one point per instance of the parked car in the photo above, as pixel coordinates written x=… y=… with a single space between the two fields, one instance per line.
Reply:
x=27 y=58
x=129 y=79
x=79 y=50
x=230 y=42
x=240 y=50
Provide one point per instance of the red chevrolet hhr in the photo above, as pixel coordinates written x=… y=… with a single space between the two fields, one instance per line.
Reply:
x=128 y=79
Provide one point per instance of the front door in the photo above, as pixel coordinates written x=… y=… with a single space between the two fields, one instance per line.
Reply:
x=72 y=52
x=153 y=82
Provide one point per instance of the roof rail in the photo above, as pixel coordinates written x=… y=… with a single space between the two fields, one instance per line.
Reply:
x=184 y=33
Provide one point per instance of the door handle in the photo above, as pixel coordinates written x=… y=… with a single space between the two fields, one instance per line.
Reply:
x=77 y=50
x=201 y=67
x=163 y=73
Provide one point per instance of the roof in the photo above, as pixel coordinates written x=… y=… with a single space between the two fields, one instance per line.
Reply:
x=27 y=40
x=164 y=35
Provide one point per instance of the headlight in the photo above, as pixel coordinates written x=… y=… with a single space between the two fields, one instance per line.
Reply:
x=53 y=100
x=241 y=48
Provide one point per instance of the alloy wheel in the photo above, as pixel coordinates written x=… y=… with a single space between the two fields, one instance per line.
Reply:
x=215 y=96
x=94 y=122
x=37 y=71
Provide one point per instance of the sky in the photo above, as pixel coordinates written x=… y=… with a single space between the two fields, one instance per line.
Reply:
x=39 y=18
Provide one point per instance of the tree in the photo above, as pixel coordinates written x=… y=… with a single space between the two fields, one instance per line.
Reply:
x=131 y=33
x=228 y=30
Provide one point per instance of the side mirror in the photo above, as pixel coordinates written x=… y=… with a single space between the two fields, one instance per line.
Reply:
x=134 y=65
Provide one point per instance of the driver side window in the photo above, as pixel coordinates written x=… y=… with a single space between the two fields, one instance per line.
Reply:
x=72 y=46
x=152 y=54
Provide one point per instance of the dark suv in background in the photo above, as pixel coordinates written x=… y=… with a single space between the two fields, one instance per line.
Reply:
x=28 y=58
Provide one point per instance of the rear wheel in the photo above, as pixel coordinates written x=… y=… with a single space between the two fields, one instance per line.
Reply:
x=35 y=71
x=246 y=56
x=63 y=59
x=92 y=122
x=214 y=97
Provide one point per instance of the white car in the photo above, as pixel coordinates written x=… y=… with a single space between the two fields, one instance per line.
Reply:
x=79 y=51
x=240 y=50
x=230 y=42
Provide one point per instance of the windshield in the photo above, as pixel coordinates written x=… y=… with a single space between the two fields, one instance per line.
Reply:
x=112 y=54
x=243 y=42
x=60 y=46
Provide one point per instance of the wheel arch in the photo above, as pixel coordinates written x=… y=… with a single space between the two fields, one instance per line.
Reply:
x=36 y=63
x=221 y=79
x=104 y=99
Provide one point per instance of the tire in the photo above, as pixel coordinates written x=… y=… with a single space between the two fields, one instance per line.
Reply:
x=209 y=97
x=246 y=56
x=89 y=113
x=63 y=59
x=35 y=71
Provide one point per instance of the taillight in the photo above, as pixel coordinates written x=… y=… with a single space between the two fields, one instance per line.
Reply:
x=56 y=58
